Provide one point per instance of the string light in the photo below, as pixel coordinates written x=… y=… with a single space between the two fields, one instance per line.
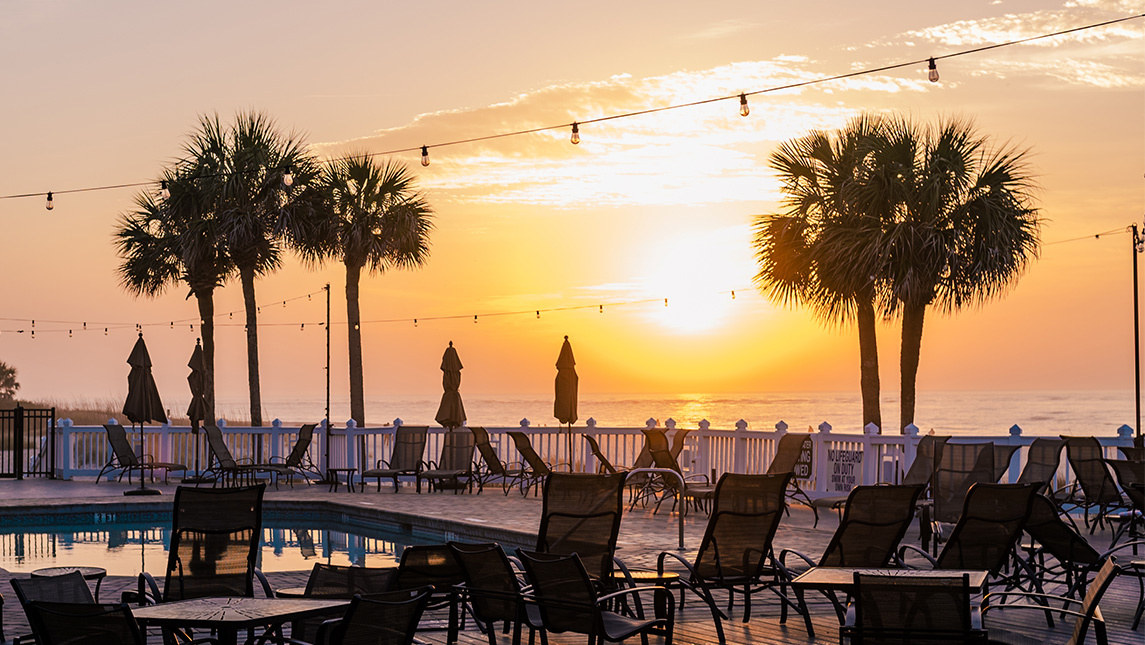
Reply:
x=538 y=314
x=164 y=192
x=933 y=73
x=733 y=294
x=415 y=322
x=744 y=110
x=575 y=138
x=424 y=156
x=288 y=177
x=601 y=308
x=49 y=205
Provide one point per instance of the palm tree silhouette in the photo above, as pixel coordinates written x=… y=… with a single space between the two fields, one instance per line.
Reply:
x=176 y=240
x=371 y=217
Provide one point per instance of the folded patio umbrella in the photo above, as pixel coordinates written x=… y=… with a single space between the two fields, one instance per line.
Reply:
x=143 y=403
x=451 y=412
x=197 y=410
x=564 y=407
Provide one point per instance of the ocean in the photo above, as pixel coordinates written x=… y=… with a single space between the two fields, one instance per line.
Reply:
x=967 y=413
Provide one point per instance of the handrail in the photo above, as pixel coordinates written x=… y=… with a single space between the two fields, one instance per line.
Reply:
x=679 y=493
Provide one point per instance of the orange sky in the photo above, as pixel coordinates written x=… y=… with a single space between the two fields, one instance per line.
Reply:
x=644 y=208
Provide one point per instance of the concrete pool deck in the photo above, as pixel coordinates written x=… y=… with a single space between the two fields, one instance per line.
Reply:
x=643 y=535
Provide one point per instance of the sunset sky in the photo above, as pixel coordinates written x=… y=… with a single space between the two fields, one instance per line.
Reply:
x=645 y=208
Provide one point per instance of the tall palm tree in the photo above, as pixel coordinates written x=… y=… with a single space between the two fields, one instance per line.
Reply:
x=242 y=170
x=167 y=242
x=373 y=217
x=959 y=220
x=822 y=252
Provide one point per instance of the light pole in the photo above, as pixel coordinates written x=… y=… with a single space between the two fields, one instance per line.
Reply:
x=1138 y=247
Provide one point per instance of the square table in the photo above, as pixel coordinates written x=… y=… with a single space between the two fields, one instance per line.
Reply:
x=843 y=578
x=229 y=615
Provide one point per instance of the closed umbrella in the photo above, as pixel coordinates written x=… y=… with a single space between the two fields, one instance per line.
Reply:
x=451 y=412
x=564 y=407
x=197 y=410
x=143 y=403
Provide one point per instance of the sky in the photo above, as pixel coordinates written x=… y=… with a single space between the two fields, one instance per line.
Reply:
x=645 y=209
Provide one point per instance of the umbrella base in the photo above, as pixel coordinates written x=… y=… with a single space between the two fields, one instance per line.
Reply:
x=143 y=491
x=198 y=479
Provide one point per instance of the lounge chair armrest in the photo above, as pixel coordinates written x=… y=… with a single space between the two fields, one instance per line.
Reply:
x=1028 y=594
x=910 y=547
x=431 y=465
x=663 y=600
x=382 y=462
x=276 y=460
x=782 y=561
x=258 y=574
x=1043 y=608
x=666 y=554
x=699 y=477
x=148 y=590
x=322 y=636
x=1134 y=543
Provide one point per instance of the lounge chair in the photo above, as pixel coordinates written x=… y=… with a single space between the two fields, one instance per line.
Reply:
x=678 y=440
x=435 y=567
x=1132 y=480
x=568 y=601
x=581 y=514
x=1042 y=461
x=493 y=468
x=960 y=466
x=68 y=588
x=494 y=592
x=406 y=458
x=891 y=608
x=604 y=466
x=697 y=490
x=786 y=456
x=337 y=581
x=735 y=551
x=919 y=474
x=222 y=467
x=72 y=623
x=297 y=462
x=643 y=487
x=381 y=619
x=1094 y=489
x=1003 y=454
x=454 y=469
x=126 y=461
x=533 y=470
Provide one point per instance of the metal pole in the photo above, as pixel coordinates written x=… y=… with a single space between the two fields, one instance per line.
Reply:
x=327 y=380
x=1137 y=247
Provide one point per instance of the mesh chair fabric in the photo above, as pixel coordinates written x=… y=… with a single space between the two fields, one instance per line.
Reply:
x=960 y=466
x=874 y=522
x=70 y=588
x=581 y=514
x=897 y=608
x=214 y=542
x=745 y=515
x=1042 y=461
x=992 y=519
x=926 y=455
x=63 y=623
x=1002 y=457
x=381 y=619
x=337 y=581
x=1087 y=458
x=492 y=585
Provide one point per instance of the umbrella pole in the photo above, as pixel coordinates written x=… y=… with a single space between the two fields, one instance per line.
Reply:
x=142 y=490
x=198 y=478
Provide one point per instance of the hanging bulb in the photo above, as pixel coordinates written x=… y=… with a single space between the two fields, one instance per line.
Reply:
x=288 y=177
x=538 y=313
x=424 y=156
x=105 y=331
x=231 y=316
x=744 y=110
x=302 y=327
x=415 y=322
x=733 y=295
x=575 y=139
x=357 y=327
x=33 y=333
x=601 y=308
x=85 y=326
x=933 y=73
x=69 y=333
x=172 y=324
x=284 y=304
x=164 y=192
x=49 y=205
x=475 y=320
x=665 y=302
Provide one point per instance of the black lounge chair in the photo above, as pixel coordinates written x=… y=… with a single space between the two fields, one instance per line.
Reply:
x=568 y=601
x=406 y=458
x=960 y=466
x=337 y=581
x=1003 y=454
x=1131 y=477
x=1094 y=489
x=581 y=514
x=454 y=469
x=1042 y=461
x=222 y=467
x=533 y=469
x=493 y=468
x=698 y=489
x=431 y=566
x=875 y=519
x=891 y=608
x=380 y=619
x=494 y=592
x=643 y=487
x=69 y=623
x=68 y=588
x=735 y=551
x=786 y=456
x=298 y=462
x=604 y=466
x=678 y=440
x=126 y=461
x=1133 y=453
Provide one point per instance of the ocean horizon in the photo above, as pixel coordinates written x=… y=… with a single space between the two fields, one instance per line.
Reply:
x=1089 y=412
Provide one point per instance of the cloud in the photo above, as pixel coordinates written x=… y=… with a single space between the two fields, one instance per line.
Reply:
x=722 y=29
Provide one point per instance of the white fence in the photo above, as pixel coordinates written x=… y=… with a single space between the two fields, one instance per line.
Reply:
x=839 y=461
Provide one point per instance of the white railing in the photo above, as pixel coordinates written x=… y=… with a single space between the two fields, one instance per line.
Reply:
x=839 y=460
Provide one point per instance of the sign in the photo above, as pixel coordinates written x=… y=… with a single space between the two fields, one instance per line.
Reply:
x=844 y=469
x=803 y=464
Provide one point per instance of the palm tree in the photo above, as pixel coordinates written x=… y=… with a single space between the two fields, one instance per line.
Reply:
x=242 y=170
x=372 y=217
x=822 y=252
x=167 y=242
x=959 y=225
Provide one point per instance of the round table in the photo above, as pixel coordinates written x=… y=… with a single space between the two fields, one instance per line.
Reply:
x=88 y=573
x=291 y=592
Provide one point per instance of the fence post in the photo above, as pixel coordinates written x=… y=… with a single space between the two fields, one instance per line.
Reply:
x=351 y=443
x=821 y=440
x=909 y=448
x=739 y=459
x=275 y=439
x=65 y=449
x=1015 y=467
x=589 y=461
x=704 y=464
x=872 y=455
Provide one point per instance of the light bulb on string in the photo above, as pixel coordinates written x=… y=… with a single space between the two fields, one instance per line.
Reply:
x=164 y=192
x=538 y=314
x=601 y=308
x=733 y=295
x=744 y=110
x=105 y=331
x=424 y=156
x=69 y=333
x=49 y=205
x=288 y=177
x=415 y=322
x=474 y=320
x=665 y=302
x=932 y=74
x=575 y=138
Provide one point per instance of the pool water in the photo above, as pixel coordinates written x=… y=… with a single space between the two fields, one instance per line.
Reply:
x=129 y=542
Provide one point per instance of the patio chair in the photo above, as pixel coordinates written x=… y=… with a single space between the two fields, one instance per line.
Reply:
x=125 y=460
x=645 y=486
x=581 y=514
x=1087 y=614
x=875 y=519
x=222 y=467
x=786 y=455
x=697 y=490
x=493 y=468
x=1042 y=461
x=734 y=552
x=406 y=458
x=1132 y=480
x=454 y=468
x=894 y=608
x=1133 y=453
x=380 y=619
x=919 y=474
x=678 y=440
x=568 y=601
x=337 y=581
x=533 y=470
x=82 y=623
x=494 y=592
x=431 y=566
x=604 y=466
x=68 y=588
x=1093 y=489
x=1003 y=454
x=215 y=537
x=297 y=462
x=960 y=466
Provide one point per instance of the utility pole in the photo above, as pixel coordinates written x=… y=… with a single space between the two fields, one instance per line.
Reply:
x=327 y=473
x=1138 y=247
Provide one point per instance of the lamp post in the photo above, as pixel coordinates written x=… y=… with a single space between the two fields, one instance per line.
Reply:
x=1138 y=247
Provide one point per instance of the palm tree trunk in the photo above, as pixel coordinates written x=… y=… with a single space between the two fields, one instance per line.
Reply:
x=353 y=325
x=869 y=363
x=206 y=300
x=246 y=275
x=912 y=320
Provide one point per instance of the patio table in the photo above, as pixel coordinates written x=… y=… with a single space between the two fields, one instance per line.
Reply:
x=843 y=578
x=227 y=616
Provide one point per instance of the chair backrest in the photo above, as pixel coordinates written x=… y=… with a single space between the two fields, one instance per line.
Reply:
x=1002 y=456
x=992 y=520
x=337 y=581
x=745 y=514
x=215 y=537
x=581 y=514
x=1089 y=605
x=1087 y=458
x=301 y=445
x=218 y=446
x=874 y=522
x=960 y=466
x=525 y=448
x=678 y=441
x=427 y=566
x=457 y=451
x=1057 y=537
x=409 y=447
x=926 y=455
x=1042 y=461
x=488 y=454
x=120 y=445
x=660 y=451
x=904 y=609
x=564 y=591
x=490 y=580
x=70 y=587
x=644 y=457
x=605 y=465
x=1134 y=453
x=787 y=453
x=381 y=619
x=66 y=623
x=1129 y=474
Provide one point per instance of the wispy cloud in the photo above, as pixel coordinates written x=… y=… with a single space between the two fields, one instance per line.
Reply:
x=722 y=29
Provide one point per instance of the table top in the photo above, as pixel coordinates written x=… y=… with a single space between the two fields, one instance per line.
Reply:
x=234 y=612
x=291 y=592
x=86 y=572
x=647 y=575
x=844 y=577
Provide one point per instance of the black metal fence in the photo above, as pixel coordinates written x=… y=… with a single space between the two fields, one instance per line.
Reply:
x=27 y=442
